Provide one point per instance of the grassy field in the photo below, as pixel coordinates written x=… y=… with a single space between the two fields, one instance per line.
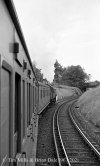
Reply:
x=89 y=104
x=65 y=91
x=61 y=92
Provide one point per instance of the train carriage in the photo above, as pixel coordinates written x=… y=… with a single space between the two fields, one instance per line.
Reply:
x=22 y=97
x=44 y=96
x=18 y=90
x=53 y=94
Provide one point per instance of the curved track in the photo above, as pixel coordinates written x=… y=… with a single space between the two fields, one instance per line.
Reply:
x=72 y=147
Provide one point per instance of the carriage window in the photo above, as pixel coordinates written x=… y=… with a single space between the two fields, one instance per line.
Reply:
x=35 y=95
x=23 y=108
x=5 y=113
x=27 y=104
x=30 y=102
x=18 y=111
x=41 y=93
x=33 y=98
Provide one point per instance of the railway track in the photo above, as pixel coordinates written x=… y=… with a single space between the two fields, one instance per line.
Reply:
x=72 y=147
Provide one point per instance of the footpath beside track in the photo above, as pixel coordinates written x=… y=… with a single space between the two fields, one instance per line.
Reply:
x=72 y=147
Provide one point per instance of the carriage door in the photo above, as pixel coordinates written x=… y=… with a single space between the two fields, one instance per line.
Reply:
x=17 y=113
x=5 y=118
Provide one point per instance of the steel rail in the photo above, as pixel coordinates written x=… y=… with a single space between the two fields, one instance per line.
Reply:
x=62 y=142
x=54 y=135
x=83 y=135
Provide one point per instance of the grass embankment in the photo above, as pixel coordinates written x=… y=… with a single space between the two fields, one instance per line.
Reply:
x=61 y=92
x=65 y=91
x=89 y=104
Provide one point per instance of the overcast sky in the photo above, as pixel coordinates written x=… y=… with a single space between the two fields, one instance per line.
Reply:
x=66 y=30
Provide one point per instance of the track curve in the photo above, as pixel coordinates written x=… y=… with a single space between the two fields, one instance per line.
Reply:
x=71 y=146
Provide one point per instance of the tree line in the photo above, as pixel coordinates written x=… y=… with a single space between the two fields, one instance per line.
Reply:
x=72 y=76
x=39 y=74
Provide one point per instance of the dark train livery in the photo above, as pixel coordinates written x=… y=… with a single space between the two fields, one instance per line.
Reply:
x=22 y=97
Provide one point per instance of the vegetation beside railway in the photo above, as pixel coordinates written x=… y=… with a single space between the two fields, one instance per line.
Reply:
x=74 y=76
x=88 y=113
x=89 y=104
x=65 y=91
x=75 y=149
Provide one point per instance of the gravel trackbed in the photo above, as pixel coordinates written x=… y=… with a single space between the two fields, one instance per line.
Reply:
x=46 y=155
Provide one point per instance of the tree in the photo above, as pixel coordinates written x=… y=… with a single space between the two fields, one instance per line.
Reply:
x=58 y=72
x=71 y=76
x=92 y=84
x=75 y=76
x=38 y=73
